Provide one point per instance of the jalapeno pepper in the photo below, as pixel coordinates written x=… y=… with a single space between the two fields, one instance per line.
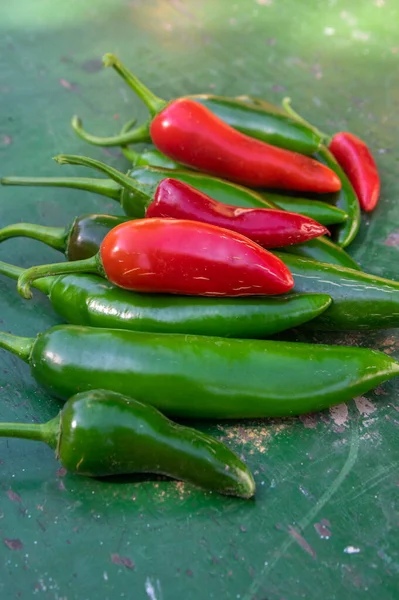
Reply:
x=322 y=212
x=348 y=198
x=101 y=433
x=81 y=239
x=257 y=119
x=89 y=300
x=176 y=256
x=360 y=301
x=135 y=190
x=201 y=377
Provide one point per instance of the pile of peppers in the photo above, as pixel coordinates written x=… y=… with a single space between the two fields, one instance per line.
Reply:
x=236 y=225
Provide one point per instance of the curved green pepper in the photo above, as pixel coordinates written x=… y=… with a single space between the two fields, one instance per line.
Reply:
x=135 y=191
x=81 y=239
x=90 y=300
x=263 y=121
x=201 y=377
x=360 y=301
x=101 y=433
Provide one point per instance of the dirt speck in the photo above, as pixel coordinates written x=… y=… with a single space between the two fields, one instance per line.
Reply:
x=301 y=541
x=189 y=572
x=15 y=544
x=322 y=529
x=392 y=239
x=339 y=414
x=7 y=140
x=117 y=559
x=13 y=496
x=72 y=87
x=93 y=65
x=309 y=421
x=364 y=406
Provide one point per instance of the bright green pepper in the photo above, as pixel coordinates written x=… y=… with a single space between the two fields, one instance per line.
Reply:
x=90 y=300
x=360 y=301
x=135 y=191
x=198 y=376
x=100 y=433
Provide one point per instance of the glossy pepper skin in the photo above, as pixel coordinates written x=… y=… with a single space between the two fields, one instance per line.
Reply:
x=176 y=256
x=81 y=239
x=136 y=190
x=201 y=377
x=191 y=134
x=99 y=433
x=253 y=117
x=269 y=228
x=356 y=160
x=89 y=300
x=346 y=200
x=360 y=301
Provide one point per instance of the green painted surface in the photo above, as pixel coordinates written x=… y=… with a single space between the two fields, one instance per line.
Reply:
x=325 y=517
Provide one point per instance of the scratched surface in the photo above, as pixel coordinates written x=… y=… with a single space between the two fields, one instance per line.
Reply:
x=325 y=517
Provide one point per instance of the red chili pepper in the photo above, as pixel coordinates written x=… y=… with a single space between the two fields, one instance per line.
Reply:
x=191 y=134
x=268 y=227
x=359 y=165
x=178 y=257
x=354 y=157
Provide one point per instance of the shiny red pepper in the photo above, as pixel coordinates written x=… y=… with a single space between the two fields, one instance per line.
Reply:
x=353 y=156
x=359 y=165
x=192 y=135
x=268 y=227
x=178 y=257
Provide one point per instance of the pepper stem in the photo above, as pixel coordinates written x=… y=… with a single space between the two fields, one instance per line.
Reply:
x=123 y=180
x=45 y=432
x=136 y=136
x=131 y=155
x=13 y=272
x=104 y=187
x=20 y=346
x=286 y=104
x=88 y=265
x=152 y=102
x=55 y=237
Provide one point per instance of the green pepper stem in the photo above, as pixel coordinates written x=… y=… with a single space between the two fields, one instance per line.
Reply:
x=104 y=187
x=135 y=136
x=123 y=180
x=286 y=104
x=45 y=432
x=20 y=346
x=13 y=272
x=26 y=279
x=152 y=102
x=55 y=237
x=131 y=155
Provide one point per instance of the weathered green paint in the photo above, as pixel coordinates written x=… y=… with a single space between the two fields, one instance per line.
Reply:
x=80 y=538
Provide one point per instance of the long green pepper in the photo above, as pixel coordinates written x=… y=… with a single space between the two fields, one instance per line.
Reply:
x=198 y=376
x=90 y=300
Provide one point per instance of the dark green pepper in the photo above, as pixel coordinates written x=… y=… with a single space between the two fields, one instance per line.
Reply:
x=360 y=301
x=263 y=121
x=101 y=433
x=198 y=376
x=135 y=191
x=90 y=300
x=79 y=240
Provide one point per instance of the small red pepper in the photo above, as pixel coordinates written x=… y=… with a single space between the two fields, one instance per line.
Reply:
x=354 y=157
x=192 y=135
x=178 y=257
x=268 y=227
x=359 y=165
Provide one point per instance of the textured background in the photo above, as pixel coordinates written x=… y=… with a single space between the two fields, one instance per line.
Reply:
x=325 y=517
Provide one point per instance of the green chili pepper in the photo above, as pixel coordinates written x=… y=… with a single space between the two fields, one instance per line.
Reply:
x=81 y=239
x=90 y=300
x=263 y=121
x=199 y=376
x=360 y=301
x=100 y=433
x=346 y=198
x=135 y=191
